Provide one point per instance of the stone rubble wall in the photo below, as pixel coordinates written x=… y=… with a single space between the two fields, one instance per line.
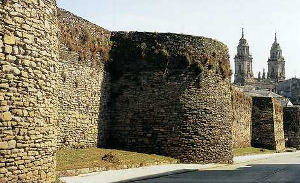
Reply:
x=242 y=118
x=83 y=86
x=28 y=91
x=291 y=119
x=278 y=126
x=166 y=94
x=267 y=124
x=171 y=96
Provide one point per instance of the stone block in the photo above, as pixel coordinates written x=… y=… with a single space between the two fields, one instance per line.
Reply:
x=3 y=145
x=4 y=85
x=6 y=116
x=9 y=39
x=8 y=49
x=12 y=144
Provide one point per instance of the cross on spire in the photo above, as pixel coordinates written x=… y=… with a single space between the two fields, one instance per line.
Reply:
x=242 y=32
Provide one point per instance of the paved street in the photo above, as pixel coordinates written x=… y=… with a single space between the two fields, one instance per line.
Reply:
x=256 y=168
x=277 y=169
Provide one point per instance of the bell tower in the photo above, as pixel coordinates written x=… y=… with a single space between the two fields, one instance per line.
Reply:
x=276 y=63
x=243 y=63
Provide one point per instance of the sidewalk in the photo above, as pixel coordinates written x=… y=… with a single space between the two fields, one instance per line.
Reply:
x=155 y=171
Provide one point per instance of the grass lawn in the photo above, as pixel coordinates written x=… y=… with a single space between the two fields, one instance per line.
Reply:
x=90 y=158
x=251 y=150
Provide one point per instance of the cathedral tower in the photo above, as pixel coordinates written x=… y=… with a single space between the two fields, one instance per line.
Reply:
x=276 y=63
x=243 y=63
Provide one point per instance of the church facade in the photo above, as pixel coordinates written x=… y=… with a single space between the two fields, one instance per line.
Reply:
x=244 y=77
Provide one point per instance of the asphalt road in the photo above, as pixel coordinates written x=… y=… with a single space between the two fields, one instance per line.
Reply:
x=282 y=169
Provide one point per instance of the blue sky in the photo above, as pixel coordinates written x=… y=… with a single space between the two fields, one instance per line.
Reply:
x=218 y=19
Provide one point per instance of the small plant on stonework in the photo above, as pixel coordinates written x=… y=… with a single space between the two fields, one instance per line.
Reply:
x=57 y=180
x=164 y=53
x=79 y=39
x=143 y=46
x=225 y=68
x=94 y=41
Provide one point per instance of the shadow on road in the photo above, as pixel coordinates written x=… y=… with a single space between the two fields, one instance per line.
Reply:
x=288 y=173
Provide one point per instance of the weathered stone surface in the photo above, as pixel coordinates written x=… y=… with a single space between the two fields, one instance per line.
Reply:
x=8 y=49
x=12 y=144
x=6 y=116
x=3 y=145
x=291 y=119
x=170 y=99
x=4 y=85
x=9 y=39
x=168 y=94
x=267 y=124
x=28 y=144
x=242 y=118
x=83 y=86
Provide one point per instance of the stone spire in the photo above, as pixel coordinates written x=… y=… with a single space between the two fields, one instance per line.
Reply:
x=276 y=63
x=242 y=33
x=264 y=74
x=243 y=62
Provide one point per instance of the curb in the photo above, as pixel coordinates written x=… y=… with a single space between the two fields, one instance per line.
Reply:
x=147 y=177
x=236 y=161
x=186 y=169
x=242 y=159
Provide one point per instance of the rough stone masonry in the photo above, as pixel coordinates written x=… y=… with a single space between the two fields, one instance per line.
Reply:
x=28 y=95
x=171 y=96
x=83 y=83
x=242 y=118
x=168 y=94
x=292 y=126
x=267 y=124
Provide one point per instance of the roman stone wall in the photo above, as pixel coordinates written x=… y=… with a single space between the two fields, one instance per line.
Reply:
x=83 y=83
x=278 y=126
x=267 y=124
x=171 y=96
x=291 y=119
x=242 y=118
x=28 y=91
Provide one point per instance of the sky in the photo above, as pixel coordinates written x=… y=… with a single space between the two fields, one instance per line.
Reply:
x=217 y=19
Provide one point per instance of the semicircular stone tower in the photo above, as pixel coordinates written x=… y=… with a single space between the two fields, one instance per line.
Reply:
x=171 y=96
x=28 y=59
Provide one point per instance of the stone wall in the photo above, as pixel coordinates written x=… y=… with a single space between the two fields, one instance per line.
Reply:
x=171 y=96
x=291 y=124
x=28 y=92
x=291 y=89
x=267 y=124
x=242 y=118
x=278 y=126
x=83 y=82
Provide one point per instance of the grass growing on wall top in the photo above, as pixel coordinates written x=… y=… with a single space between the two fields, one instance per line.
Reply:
x=91 y=42
x=89 y=158
x=136 y=51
